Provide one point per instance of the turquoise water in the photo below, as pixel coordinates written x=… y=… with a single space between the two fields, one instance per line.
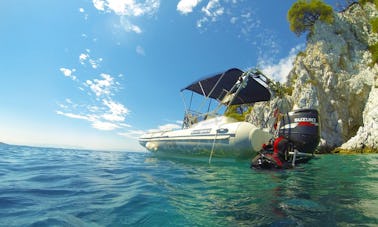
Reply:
x=58 y=187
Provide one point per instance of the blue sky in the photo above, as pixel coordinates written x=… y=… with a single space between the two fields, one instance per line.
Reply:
x=97 y=73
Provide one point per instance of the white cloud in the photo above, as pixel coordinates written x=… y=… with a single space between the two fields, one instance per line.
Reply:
x=81 y=10
x=213 y=9
x=140 y=50
x=239 y=13
x=68 y=73
x=249 y=22
x=72 y=115
x=128 y=9
x=117 y=111
x=103 y=112
x=125 y=125
x=186 y=6
x=201 y=22
x=119 y=7
x=95 y=63
x=99 y=4
x=132 y=8
x=267 y=47
x=242 y=15
x=104 y=126
x=133 y=134
x=109 y=116
x=281 y=70
x=101 y=87
x=128 y=26
x=83 y=57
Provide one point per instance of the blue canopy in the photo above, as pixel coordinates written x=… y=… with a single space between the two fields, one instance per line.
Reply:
x=218 y=85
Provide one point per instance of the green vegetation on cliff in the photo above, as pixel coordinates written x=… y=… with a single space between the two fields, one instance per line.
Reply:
x=304 y=13
x=281 y=90
x=374 y=53
x=374 y=27
x=363 y=2
x=238 y=112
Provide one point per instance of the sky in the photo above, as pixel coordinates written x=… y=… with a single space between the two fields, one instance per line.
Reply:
x=96 y=74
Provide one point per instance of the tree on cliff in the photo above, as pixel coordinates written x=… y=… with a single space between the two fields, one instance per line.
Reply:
x=304 y=13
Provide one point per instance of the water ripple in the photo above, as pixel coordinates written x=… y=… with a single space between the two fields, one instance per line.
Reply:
x=60 y=187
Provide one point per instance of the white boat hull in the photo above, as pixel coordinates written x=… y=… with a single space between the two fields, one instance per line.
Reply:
x=216 y=136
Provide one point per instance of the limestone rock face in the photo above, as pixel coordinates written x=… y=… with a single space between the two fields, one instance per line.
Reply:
x=262 y=113
x=334 y=75
x=367 y=134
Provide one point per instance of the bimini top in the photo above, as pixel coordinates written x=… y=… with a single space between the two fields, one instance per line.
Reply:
x=218 y=85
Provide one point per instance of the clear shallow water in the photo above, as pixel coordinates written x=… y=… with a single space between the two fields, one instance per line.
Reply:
x=47 y=187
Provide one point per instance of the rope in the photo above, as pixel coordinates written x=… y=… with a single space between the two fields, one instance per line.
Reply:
x=212 y=148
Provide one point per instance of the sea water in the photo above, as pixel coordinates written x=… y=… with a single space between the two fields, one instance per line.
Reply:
x=61 y=187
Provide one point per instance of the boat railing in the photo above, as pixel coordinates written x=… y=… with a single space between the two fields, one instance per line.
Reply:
x=159 y=132
x=192 y=117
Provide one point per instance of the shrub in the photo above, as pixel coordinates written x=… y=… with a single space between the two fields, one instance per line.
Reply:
x=363 y=2
x=304 y=13
x=281 y=90
x=238 y=112
x=374 y=53
x=374 y=24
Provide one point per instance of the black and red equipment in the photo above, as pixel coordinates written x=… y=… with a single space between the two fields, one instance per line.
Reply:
x=297 y=138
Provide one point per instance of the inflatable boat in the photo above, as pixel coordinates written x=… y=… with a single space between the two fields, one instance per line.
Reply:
x=211 y=133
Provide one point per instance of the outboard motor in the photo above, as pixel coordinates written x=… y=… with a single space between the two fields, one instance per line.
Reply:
x=298 y=137
x=301 y=127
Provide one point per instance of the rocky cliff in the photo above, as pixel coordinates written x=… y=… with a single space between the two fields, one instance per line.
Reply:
x=334 y=75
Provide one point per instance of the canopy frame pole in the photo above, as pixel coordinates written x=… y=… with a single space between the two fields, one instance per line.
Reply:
x=220 y=78
x=238 y=86
x=229 y=98
x=190 y=103
x=203 y=91
x=207 y=96
x=204 y=95
x=208 y=107
x=183 y=101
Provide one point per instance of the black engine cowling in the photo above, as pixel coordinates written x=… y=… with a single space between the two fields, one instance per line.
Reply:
x=301 y=127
